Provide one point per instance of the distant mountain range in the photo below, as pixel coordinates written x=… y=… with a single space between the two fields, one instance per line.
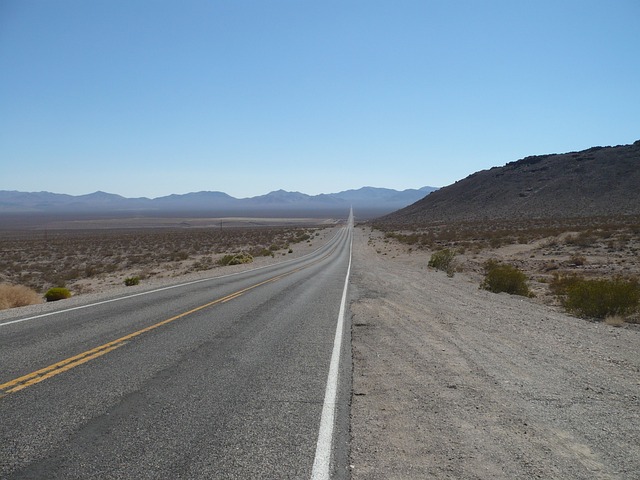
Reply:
x=597 y=182
x=367 y=201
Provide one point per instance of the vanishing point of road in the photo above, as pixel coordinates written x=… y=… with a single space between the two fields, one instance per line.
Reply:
x=241 y=376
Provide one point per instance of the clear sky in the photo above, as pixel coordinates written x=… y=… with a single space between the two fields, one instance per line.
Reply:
x=148 y=98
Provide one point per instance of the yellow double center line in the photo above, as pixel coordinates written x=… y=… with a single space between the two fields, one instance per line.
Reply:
x=55 y=369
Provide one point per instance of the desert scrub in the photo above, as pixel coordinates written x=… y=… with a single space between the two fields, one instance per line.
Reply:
x=501 y=277
x=205 y=263
x=57 y=293
x=131 y=281
x=12 y=296
x=263 y=252
x=560 y=284
x=235 y=259
x=408 y=239
x=44 y=259
x=602 y=298
x=443 y=260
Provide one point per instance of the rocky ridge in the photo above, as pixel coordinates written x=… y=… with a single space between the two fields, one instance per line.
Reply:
x=597 y=182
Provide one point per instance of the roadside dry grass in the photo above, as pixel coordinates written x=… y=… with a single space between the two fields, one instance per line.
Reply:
x=592 y=248
x=12 y=296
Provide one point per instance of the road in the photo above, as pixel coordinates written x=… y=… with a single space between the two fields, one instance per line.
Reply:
x=224 y=378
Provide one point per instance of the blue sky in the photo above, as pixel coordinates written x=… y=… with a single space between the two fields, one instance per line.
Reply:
x=148 y=98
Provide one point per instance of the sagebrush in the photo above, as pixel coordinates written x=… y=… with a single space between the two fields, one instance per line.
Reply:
x=443 y=260
x=502 y=277
x=598 y=298
x=57 y=293
x=235 y=259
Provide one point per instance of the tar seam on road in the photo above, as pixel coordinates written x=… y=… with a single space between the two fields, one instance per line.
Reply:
x=32 y=378
x=322 y=461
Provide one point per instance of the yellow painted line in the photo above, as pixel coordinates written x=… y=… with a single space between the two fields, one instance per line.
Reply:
x=48 y=374
x=32 y=378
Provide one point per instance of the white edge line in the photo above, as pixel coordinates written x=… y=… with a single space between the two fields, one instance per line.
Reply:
x=165 y=288
x=322 y=460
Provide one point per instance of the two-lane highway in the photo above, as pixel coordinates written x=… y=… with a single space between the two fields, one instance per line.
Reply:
x=223 y=378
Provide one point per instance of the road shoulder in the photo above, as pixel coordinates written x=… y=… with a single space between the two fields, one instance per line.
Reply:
x=451 y=381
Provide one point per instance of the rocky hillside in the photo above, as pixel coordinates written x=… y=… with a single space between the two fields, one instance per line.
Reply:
x=600 y=181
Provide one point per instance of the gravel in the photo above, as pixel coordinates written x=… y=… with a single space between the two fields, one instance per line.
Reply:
x=451 y=381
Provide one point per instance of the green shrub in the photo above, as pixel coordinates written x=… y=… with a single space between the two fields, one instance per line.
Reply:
x=130 y=281
x=602 y=298
x=443 y=260
x=560 y=284
x=57 y=293
x=235 y=259
x=506 y=278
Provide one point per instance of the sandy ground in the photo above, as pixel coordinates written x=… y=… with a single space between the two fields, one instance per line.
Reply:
x=451 y=381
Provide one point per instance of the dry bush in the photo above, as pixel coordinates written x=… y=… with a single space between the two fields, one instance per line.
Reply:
x=560 y=284
x=577 y=260
x=235 y=259
x=602 y=298
x=584 y=239
x=614 y=321
x=12 y=296
x=506 y=278
x=132 y=281
x=443 y=260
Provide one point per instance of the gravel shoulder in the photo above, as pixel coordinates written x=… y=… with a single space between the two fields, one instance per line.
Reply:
x=451 y=381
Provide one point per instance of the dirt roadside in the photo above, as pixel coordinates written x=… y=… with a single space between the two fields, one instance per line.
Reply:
x=452 y=382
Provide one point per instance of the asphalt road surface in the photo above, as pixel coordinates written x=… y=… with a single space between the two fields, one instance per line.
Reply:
x=223 y=378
